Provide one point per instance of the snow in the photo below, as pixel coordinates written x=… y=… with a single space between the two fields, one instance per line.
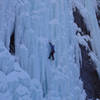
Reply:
x=82 y=40
x=3 y=83
x=7 y=95
x=21 y=91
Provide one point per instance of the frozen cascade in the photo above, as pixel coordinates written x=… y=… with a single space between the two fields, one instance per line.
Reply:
x=29 y=74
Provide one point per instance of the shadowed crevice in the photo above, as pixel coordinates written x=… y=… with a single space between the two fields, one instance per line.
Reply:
x=89 y=75
x=12 y=44
x=98 y=15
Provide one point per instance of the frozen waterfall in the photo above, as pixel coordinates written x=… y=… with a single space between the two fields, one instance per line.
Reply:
x=26 y=27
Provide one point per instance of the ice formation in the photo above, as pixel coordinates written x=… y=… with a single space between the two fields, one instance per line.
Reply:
x=26 y=27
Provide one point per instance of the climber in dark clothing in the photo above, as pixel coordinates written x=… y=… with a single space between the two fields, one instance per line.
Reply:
x=52 y=51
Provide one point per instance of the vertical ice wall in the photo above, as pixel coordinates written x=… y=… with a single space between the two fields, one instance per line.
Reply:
x=7 y=18
x=51 y=22
x=36 y=23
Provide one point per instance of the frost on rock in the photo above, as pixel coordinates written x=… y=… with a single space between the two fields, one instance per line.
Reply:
x=89 y=70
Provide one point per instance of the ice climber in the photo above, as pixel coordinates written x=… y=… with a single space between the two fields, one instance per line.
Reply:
x=52 y=51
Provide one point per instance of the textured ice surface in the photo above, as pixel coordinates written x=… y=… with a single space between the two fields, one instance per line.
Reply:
x=30 y=75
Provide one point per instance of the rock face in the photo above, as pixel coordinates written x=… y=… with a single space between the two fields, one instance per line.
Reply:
x=88 y=72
